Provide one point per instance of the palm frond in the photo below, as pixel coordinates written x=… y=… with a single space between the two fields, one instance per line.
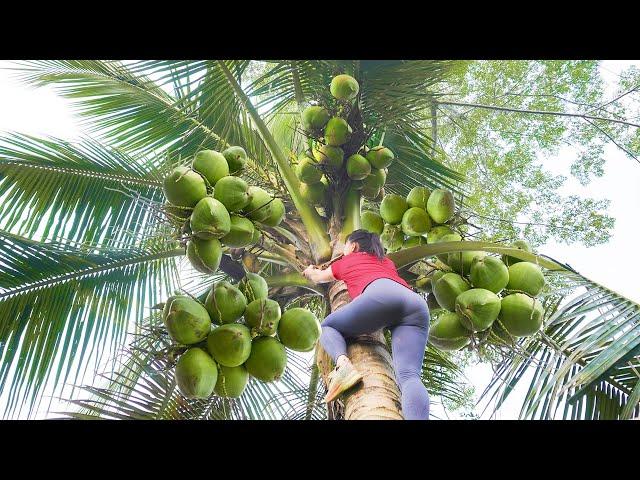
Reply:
x=86 y=192
x=61 y=306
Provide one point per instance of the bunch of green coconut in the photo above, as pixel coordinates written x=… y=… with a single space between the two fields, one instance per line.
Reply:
x=236 y=333
x=328 y=133
x=484 y=295
x=216 y=208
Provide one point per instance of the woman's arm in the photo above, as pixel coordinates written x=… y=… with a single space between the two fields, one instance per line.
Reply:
x=318 y=276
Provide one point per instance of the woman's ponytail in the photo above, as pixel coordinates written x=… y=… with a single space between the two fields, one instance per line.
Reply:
x=368 y=241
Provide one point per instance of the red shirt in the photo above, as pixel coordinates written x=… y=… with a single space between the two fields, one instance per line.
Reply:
x=359 y=269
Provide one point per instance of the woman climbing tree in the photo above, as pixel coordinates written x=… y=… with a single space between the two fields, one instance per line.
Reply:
x=380 y=299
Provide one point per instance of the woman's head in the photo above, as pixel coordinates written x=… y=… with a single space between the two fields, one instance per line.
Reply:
x=364 y=241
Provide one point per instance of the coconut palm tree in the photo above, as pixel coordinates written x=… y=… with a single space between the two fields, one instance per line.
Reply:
x=84 y=241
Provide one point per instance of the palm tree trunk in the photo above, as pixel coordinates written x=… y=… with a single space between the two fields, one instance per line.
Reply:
x=378 y=396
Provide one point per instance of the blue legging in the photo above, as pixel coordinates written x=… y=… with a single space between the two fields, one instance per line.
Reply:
x=386 y=303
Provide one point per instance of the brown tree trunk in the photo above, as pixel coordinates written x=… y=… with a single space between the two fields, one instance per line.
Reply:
x=378 y=396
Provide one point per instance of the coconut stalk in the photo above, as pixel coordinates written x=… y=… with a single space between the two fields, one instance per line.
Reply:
x=316 y=230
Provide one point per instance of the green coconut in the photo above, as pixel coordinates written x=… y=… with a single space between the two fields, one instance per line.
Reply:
x=358 y=167
x=489 y=273
x=461 y=261
x=423 y=283
x=344 y=87
x=204 y=255
x=392 y=238
x=520 y=245
x=328 y=155
x=186 y=320
x=526 y=277
x=211 y=165
x=264 y=208
x=521 y=315
x=449 y=237
x=183 y=187
x=441 y=205
x=478 y=308
x=236 y=158
x=230 y=344
x=380 y=157
x=437 y=275
x=437 y=232
x=231 y=381
x=225 y=303
x=337 y=132
x=448 y=333
x=314 y=118
x=299 y=329
x=262 y=316
x=415 y=222
x=392 y=208
x=241 y=233
x=196 y=374
x=307 y=169
x=373 y=182
x=210 y=219
x=447 y=289
x=253 y=287
x=233 y=193
x=313 y=193
x=414 y=242
x=268 y=359
x=418 y=197
x=372 y=222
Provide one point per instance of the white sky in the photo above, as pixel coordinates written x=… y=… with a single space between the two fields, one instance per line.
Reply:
x=614 y=265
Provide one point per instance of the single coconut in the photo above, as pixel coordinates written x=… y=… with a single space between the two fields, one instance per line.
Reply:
x=520 y=245
x=313 y=193
x=241 y=233
x=253 y=287
x=225 y=303
x=210 y=219
x=521 y=315
x=437 y=275
x=183 y=187
x=415 y=222
x=204 y=255
x=478 y=308
x=196 y=374
x=441 y=205
x=233 y=193
x=211 y=165
x=526 y=277
x=231 y=381
x=314 y=118
x=337 y=132
x=447 y=289
x=263 y=315
x=186 y=320
x=236 y=158
x=230 y=344
x=328 y=155
x=358 y=167
x=268 y=359
x=307 y=169
x=461 y=261
x=264 y=208
x=392 y=238
x=299 y=329
x=380 y=157
x=418 y=197
x=448 y=333
x=392 y=208
x=372 y=222
x=344 y=87
x=437 y=232
x=489 y=273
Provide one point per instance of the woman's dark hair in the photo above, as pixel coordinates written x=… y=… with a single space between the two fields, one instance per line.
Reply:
x=368 y=242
